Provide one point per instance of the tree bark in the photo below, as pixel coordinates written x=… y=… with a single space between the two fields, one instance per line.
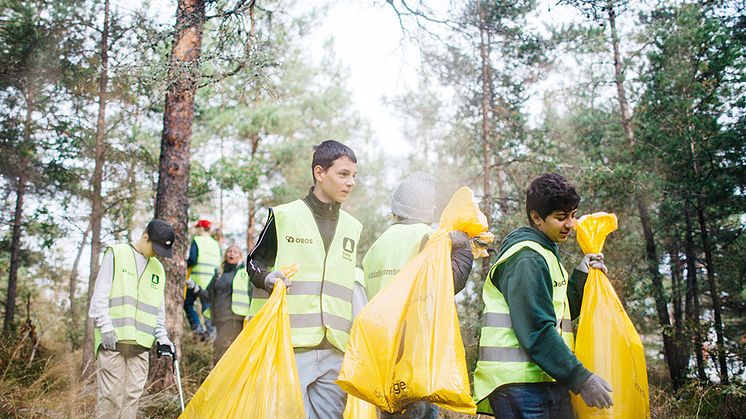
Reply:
x=15 y=242
x=73 y=287
x=97 y=205
x=171 y=202
x=651 y=256
x=484 y=55
x=714 y=295
x=692 y=294
x=15 y=249
x=678 y=374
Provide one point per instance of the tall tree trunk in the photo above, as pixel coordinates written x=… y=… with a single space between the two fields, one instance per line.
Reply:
x=15 y=249
x=15 y=242
x=692 y=293
x=171 y=203
x=73 y=287
x=714 y=295
x=651 y=256
x=252 y=203
x=682 y=355
x=97 y=205
x=484 y=55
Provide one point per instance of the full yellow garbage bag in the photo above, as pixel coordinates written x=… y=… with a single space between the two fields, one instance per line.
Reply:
x=405 y=345
x=257 y=376
x=606 y=342
x=359 y=409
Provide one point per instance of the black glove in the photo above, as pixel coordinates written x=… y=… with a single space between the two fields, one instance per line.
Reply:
x=458 y=238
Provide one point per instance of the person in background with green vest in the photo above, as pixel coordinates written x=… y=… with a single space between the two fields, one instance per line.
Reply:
x=526 y=363
x=413 y=208
x=128 y=311
x=204 y=258
x=322 y=240
x=229 y=296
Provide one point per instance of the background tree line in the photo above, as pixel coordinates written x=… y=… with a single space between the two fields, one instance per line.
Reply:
x=111 y=115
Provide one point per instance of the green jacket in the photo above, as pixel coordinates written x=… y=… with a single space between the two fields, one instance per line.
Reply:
x=525 y=282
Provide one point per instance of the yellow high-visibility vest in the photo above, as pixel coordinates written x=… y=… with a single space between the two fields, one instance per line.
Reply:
x=134 y=301
x=208 y=259
x=501 y=359
x=320 y=298
x=390 y=252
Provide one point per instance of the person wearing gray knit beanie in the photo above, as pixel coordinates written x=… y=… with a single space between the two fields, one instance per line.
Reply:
x=414 y=198
x=413 y=206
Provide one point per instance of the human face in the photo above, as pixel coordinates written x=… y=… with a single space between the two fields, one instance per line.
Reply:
x=557 y=225
x=145 y=246
x=232 y=255
x=335 y=183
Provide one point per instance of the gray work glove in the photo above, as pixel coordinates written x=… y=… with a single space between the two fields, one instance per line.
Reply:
x=191 y=285
x=592 y=260
x=596 y=392
x=272 y=278
x=458 y=238
x=109 y=340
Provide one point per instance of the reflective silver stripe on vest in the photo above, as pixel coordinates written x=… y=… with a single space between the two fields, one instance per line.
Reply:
x=240 y=304
x=129 y=300
x=129 y=321
x=336 y=322
x=305 y=320
x=339 y=291
x=300 y=288
x=495 y=354
x=503 y=320
x=497 y=320
x=210 y=274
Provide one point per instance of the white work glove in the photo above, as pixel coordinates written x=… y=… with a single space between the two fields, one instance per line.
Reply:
x=592 y=260
x=596 y=392
x=191 y=285
x=109 y=340
x=272 y=278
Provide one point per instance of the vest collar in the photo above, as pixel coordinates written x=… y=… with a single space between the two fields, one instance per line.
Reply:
x=322 y=208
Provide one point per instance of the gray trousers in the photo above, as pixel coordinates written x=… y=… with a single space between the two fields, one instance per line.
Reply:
x=317 y=371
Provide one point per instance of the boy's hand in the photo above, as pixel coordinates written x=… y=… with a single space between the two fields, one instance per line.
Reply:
x=593 y=260
x=272 y=278
x=596 y=392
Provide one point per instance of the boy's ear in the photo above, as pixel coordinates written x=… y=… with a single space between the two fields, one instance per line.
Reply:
x=145 y=236
x=317 y=171
x=535 y=217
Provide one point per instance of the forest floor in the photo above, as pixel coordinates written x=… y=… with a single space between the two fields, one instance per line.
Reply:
x=48 y=386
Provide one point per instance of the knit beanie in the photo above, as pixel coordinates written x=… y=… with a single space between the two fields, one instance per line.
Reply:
x=414 y=198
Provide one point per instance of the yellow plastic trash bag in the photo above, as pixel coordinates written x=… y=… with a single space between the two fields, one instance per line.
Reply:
x=257 y=376
x=405 y=345
x=607 y=343
x=359 y=409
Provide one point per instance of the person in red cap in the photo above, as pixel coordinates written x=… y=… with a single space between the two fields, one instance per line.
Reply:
x=204 y=259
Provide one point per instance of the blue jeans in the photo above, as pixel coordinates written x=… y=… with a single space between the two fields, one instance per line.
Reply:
x=531 y=401
x=192 y=316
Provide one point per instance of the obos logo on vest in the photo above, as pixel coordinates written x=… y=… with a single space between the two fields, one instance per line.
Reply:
x=299 y=240
x=348 y=248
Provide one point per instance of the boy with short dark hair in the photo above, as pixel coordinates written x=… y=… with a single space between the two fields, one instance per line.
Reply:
x=321 y=239
x=526 y=361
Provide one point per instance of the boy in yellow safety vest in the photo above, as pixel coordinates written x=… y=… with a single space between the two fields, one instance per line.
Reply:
x=128 y=310
x=526 y=363
x=322 y=240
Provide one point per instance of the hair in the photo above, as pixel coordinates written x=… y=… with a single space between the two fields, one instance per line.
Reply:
x=550 y=192
x=327 y=152
x=225 y=257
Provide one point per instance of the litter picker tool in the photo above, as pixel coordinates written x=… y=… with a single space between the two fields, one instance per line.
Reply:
x=165 y=350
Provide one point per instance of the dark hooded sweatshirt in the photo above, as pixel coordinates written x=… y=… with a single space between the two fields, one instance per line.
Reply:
x=525 y=283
